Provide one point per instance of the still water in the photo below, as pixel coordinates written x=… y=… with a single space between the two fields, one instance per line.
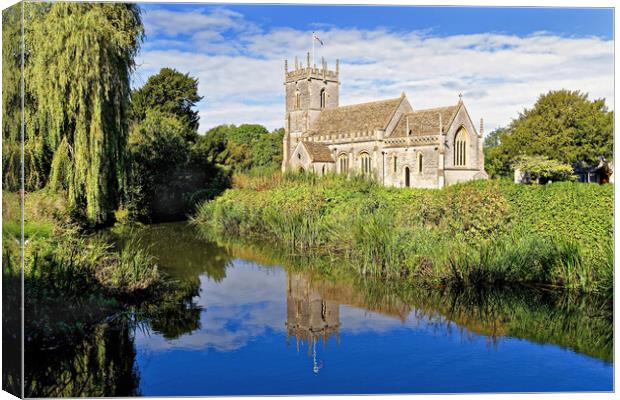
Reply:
x=246 y=324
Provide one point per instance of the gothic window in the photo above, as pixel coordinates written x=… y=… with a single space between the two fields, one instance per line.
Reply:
x=323 y=98
x=366 y=163
x=460 y=148
x=343 y=163
x=420 y=162
x=297 y=99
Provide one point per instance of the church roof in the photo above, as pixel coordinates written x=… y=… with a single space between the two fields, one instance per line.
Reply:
x=425 y=122
x=318 y=152
x=356 y=117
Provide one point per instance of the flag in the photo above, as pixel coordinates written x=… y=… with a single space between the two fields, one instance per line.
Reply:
x=314 y=36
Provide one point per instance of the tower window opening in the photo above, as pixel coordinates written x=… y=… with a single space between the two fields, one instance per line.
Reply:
x=298 y=99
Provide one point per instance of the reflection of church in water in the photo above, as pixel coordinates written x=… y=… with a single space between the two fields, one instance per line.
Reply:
x=313 y=311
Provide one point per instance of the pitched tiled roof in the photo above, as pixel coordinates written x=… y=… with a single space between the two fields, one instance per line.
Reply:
x=318 y=152
x=355 y=118
x=425 y=122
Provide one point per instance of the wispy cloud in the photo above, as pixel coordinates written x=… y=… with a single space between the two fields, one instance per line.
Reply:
x=240 y=65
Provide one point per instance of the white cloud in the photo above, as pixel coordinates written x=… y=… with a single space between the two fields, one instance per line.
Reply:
x=240 y=66
x=186 y=22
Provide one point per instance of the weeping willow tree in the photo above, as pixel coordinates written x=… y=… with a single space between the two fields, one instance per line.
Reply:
x=78 y=73
x=11 y=96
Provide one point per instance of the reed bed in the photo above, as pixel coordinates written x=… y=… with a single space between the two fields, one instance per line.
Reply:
x=477 y=233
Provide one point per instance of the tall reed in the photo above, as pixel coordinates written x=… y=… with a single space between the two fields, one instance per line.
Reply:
x=467 y=234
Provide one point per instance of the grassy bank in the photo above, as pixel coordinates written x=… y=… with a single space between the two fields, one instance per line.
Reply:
x=478 y=233
x=71 y=277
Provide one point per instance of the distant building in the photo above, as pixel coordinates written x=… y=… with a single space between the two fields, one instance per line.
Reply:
x=601 y=172
x=387 y=140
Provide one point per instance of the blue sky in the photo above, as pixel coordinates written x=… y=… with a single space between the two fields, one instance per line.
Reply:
x=501 y=59
x=441 y=20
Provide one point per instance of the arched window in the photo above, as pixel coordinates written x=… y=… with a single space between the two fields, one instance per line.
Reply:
x=366 y=163
x=407 y=178
x=460 y=148
x=420 y=163
x=343 y=163
x=394 y=164
x=297 y=99
x=323 y=98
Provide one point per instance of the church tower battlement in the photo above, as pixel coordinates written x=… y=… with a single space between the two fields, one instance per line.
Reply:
x=308 y=91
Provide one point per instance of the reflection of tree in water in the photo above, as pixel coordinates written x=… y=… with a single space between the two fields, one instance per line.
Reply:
x=100 y=364
x=180 y=251
x=11 y=319
x=582 y=323
x=99 y=361
x=175 y=313
x=184 y=256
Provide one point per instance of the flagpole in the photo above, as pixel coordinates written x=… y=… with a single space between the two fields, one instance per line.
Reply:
x=312 y=49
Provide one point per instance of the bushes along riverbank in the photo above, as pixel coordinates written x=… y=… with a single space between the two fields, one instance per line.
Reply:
x=483 y=232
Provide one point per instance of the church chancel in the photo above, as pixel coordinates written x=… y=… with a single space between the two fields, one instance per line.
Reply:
x=386 y=140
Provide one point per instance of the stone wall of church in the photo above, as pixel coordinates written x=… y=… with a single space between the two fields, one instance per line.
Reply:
x=474 y=143
x=321 y=168
x=300 y=160
x=407 y=159
x=382 y=163
x=354 y=151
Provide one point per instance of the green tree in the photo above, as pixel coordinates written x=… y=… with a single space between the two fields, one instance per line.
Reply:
x=168 y=91
x=158 y=154
x=563 y=125
x=11 y=96
x=36 y=158
x=81 y=58
x=541 y=169
x=267 y=151
x=494 y=138
x=497 y=162
x=170 y=169
x=242 y=147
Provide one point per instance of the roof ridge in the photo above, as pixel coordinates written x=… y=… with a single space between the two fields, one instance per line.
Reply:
x=364 y=103
x=432 y=109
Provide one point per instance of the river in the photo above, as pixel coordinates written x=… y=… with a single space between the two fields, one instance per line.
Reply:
x=244 y=322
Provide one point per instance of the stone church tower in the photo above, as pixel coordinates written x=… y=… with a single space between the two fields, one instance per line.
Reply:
x=308 y=91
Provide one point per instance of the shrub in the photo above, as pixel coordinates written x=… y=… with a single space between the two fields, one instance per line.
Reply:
x=541 y=169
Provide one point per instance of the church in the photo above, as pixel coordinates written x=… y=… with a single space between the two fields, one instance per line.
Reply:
x=386 y=140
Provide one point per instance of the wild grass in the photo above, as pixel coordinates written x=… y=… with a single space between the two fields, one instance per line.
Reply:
x=135 y=268
x=73 y=264
x=478 y=233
